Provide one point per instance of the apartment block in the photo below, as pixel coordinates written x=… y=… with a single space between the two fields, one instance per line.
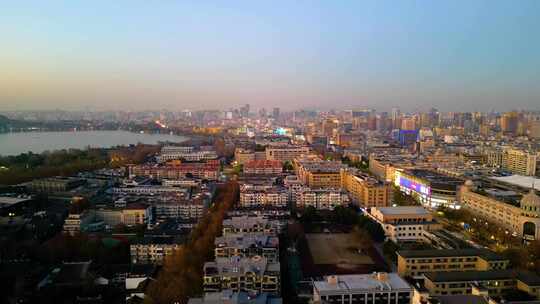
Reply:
x=250 y=224
x=274 y=196
x=285 y=153
x=415 y=263
x=263 y=167
x=248 y=246
x=366 y=191
x=238 y=274
x=321 y=199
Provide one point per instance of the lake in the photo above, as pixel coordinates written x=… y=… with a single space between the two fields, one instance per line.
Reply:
x=37 y=142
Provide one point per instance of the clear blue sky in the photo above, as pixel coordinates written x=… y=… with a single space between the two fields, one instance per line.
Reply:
x=453 y=55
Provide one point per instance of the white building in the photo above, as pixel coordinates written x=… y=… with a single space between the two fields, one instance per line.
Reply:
x=321 y=199
x=185 y=153
x=404 y=224
x=387 y=288
x=271 y=197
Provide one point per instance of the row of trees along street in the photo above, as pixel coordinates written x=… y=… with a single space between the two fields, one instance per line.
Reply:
x=182 y=273
x=485 y=233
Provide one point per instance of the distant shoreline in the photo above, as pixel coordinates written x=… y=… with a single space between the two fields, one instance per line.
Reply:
x=16 y=143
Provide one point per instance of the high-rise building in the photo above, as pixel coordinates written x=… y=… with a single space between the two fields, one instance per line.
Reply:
x=395 y=113
x=519 y=162
x=408 y=123
x=244 y=111
x=534 y=129
x=509 y=122
x=275 y=113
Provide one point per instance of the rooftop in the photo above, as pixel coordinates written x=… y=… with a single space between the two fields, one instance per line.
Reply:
x=434 y=177
x=227 y=296
x=461 y=276
x=238 y=266
x=484 y=253
x=247 y=240
x=362 y=282
x=520 y=180
x=403 y=210
x=6 y=201
x=460 y=299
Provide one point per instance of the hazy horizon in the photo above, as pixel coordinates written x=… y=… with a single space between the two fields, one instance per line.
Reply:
x=131 y=55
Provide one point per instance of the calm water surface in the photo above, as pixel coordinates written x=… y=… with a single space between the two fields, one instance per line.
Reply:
x=37 y=142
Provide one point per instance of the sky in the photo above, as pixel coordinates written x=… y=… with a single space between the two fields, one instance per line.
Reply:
x=136 y=55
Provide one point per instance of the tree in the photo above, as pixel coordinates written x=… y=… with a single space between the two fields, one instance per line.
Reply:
x=390 y=249
x=344 y=215
x=362 y=237
x=288 y=166
x=374 y=229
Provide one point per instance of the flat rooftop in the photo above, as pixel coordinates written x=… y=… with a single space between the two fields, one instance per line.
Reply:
x=464 y=276
x=436 y=253
x=402 y=210
x=436 y=179
x=520 y=180
x=6 y=201
x=362 y=282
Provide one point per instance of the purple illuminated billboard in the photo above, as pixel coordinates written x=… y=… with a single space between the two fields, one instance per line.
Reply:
x=414 y=186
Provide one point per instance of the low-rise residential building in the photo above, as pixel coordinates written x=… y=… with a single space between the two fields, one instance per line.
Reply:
x=294 y=185
x=153 y=250
x=404 y=224
x=250 y=224
x=169 y=153
x=362 y=288
x=147 y=190
x=415 y=263
x=181 y=182
x=247 y=246
x=274 y=196
x=185 y=209
x=263 y=167
x=208 y=170
x=254 y=274
x=321 y=199
x=285 y=153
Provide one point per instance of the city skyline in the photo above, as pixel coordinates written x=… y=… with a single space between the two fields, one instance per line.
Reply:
x=454 y=56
